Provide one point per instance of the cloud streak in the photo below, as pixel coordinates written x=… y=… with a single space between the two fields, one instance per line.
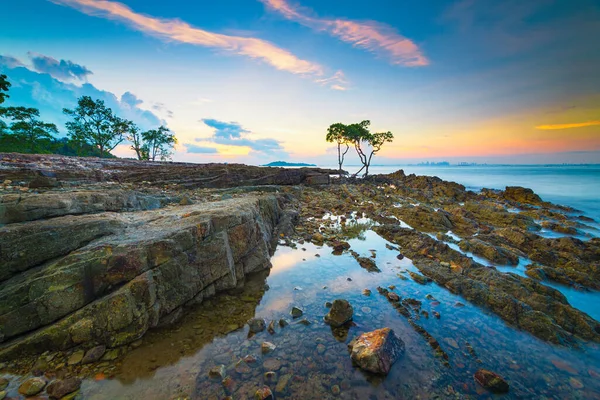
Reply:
x=179 y=31
x=373 y=36
x=568 y=126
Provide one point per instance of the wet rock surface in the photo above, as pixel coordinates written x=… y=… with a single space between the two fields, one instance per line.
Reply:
x=436 y=289
x=376 y=351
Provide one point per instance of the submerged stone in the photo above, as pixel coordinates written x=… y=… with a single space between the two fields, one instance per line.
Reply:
x=256 y=325
x=341 y=312
x=32 y=386
x=62 y=387
x=376 y=351
x=296 y=312
x=264 y=394
x=491 y=381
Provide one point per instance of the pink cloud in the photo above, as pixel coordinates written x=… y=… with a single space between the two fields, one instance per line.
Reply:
x=180 y=31
x=370 y=35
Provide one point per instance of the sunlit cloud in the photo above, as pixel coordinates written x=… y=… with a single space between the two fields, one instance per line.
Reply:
x=180 y=31
x=373 y=36
x=568 y=126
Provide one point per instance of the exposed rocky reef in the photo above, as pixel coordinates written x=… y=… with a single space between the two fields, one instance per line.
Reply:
x=96 y=251
x=417 y=213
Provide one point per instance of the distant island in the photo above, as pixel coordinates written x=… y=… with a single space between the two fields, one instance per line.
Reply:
x=287 y=164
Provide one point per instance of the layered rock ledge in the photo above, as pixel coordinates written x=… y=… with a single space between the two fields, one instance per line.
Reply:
x=97 y=251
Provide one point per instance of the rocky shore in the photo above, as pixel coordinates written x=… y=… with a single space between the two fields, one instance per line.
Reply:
x=95 y=253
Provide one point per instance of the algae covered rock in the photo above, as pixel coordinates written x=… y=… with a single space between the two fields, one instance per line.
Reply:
x=62 y=387
x=376 y=351
x=32 y=386
x=491 y=381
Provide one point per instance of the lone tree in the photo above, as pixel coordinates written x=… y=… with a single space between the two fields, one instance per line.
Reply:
x=134 y=135
x=4 y=85
x=158 y=142
x=365 y=143
x=27 y=128
x=95 y=124
x=338 y=133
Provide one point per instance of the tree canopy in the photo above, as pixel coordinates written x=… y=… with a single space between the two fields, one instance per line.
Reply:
x=359 y=136
x=93 y=131
x=95 y=124
x=27 y=128
x=4 y=85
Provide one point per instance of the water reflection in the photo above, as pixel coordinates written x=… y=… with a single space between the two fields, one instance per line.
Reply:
x=311 y=361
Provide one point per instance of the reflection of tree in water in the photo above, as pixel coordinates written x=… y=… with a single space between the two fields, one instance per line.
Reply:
x=215 y=317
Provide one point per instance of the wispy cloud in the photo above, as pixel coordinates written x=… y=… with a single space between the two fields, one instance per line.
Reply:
x=568 y=126
x=180 y=31
x=373 y=36
x=65 y=70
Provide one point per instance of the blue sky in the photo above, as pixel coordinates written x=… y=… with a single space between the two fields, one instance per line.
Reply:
x=466 y=81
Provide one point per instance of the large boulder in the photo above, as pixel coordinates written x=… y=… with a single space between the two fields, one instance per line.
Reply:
x=341 y=312
x=376 y=351
x=521 y=195
x=113 y=289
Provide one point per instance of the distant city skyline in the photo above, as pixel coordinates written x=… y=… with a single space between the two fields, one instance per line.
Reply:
x=258 y=81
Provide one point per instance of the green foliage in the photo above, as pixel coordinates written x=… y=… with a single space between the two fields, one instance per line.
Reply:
x=365 y=143
x=4 y=85
x=94 y=123
x=356 y=230
x=338 y=133
x=158 y=143
x=93 y=131
x=27 y=129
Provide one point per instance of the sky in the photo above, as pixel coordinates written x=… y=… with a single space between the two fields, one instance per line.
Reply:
x=255 y=81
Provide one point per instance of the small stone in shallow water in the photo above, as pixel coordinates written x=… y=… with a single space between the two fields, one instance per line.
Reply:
x=242 y=368
x=270 y=377
x=393 y=296
x=62 y=387
x=296 y=312
x=392 y=287
x=376 y=351
x=283 y=323
x=366 y=292
x=436 y=314
x=32 y=386
x=491 y=381
x=400 y=256
x=321 y=348
x=340 y=313
x=271 y=328
x=267 y=347
x=217 y=372
x=76 y=357
x=575 y=383
x=304 y=322
x=282 y=383
x=458 y=304
x=256 y=325
x=264 y=394
x=328 y=304
x=349 y=279
x=272 y=364
x=94 y=354
x=335 y=389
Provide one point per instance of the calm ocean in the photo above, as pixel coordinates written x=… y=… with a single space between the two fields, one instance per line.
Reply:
x=574 y=186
